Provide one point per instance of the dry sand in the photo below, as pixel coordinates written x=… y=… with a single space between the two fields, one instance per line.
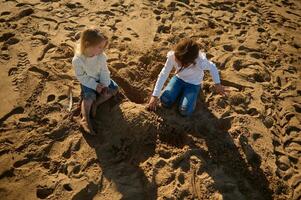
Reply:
x=246 y=146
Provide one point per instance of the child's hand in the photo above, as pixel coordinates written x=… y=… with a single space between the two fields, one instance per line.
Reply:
x=153 y=103
x=105 y=91
x=220 y=89
x=99 y=88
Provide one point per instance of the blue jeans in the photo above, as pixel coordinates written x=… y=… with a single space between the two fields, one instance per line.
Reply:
x=88 y=93
x=187 y=93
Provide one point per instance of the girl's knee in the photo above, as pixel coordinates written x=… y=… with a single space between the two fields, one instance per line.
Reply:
x=166 y=100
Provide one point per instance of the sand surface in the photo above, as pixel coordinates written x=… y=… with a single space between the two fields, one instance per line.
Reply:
x=246 y=146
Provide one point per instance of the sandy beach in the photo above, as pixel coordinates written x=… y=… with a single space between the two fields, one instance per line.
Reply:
x=246 y=146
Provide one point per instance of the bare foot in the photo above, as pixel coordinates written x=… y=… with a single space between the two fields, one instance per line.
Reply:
x=87 y=128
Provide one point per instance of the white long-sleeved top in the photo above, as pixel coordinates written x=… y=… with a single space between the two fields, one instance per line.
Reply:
x=91 y=70
x=192 y=74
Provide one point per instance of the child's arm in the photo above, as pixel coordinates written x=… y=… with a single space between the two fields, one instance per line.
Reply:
x=105 y=75
x=82 y=76
x=162 y=77
x=152 y=105
x=208 y=65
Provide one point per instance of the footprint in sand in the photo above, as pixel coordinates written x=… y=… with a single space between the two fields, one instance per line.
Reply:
x=73 y=146
x=6 y=36
x=127 y=39
x=50 y=98
x=132 y=32
x=68 y=187
x=14 y=111
x=39 y=38
x=23 y=13
x=37 y=70
x=4 y=13
x=74 y=5
x=287 y=147
x=43 y=192
x=163 y=29
x=228 y=47
x=119 y=65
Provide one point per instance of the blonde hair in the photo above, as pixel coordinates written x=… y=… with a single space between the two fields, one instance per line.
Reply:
x=90 y=37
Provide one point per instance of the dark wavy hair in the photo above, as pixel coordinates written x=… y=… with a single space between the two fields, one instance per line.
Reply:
x=186 y=51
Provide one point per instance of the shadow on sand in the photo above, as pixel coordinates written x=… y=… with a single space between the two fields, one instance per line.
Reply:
x=123 y=144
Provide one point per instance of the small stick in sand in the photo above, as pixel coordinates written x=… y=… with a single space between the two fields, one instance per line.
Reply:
x=70 y=98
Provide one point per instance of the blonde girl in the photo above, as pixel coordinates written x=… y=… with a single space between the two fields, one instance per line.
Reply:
x=90 y=66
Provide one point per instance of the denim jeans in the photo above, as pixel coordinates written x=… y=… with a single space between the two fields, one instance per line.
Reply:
x=186 y=92
x=88 y=93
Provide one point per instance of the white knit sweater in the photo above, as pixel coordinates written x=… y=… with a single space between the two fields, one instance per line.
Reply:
x=91 y=70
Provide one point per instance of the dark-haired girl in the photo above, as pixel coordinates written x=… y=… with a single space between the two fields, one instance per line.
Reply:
x=190 y=64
